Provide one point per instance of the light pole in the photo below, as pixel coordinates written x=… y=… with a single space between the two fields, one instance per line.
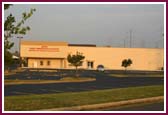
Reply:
x=20 y=60
x=124 y=43
x=130 y=38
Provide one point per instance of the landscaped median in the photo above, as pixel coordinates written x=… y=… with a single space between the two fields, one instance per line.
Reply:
x=62 y=80
x=69 y=99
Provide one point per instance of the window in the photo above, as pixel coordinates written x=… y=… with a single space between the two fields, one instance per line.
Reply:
x=41 y=63
x=48 y=63
x=90 y=64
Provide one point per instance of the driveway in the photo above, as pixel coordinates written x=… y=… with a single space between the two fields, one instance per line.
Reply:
x=103 y=81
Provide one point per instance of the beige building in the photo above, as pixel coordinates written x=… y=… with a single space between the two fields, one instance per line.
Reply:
x=42 y=54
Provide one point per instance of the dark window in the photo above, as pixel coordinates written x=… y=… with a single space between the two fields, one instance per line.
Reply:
x=48 y=63
x=90 y=64
x=41 y=63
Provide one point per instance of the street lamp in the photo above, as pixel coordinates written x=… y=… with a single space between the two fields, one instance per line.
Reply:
x=20 y=60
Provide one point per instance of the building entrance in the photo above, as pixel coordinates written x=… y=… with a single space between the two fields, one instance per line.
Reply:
x=35 y=64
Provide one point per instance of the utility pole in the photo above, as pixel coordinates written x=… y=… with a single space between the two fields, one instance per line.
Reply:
x=124 y=43
x=130 y=38
x=163 y=39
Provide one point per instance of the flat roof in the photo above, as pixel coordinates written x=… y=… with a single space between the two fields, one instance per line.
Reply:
x=62 y=43
x=83 y=45
x=53 y=43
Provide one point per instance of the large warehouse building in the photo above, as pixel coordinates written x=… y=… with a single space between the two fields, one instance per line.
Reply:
x=43 y=54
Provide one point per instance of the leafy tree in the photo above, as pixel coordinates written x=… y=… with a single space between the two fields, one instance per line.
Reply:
x=11 y=28
x=16 y=53
x=76 y=60
x=126 y=63
x=6 y=6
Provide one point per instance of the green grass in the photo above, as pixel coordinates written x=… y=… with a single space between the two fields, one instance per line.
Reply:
x=63 y=80
x=46 y=101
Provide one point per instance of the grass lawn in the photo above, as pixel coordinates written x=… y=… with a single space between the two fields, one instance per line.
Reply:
x=62 y=80
x=47 y=101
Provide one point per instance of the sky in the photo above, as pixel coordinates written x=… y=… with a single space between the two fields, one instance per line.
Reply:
x=101 y=24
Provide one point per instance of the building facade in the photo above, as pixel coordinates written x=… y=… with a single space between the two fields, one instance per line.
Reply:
x=42 y=54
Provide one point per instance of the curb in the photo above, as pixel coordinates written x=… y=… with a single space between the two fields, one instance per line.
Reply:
x=106 y=105
x=49 y=82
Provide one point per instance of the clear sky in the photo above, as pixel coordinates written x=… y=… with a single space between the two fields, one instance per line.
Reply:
x=108 y=24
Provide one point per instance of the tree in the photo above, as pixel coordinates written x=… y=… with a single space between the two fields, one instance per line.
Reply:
x=126 y=63
x=11 y=28
x=76 y=60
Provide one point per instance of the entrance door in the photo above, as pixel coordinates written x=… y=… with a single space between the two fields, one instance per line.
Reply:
x=35 y=64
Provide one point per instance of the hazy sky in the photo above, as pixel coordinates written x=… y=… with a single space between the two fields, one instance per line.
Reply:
x=102 y=25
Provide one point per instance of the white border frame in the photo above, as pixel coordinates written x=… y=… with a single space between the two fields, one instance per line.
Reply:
x=164 y=3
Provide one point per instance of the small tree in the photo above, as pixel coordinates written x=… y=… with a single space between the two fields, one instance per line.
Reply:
x=76 y=60
x=13 y=28
x=126 y=63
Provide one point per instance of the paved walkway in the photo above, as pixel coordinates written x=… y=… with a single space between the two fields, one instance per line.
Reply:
x=154 y=106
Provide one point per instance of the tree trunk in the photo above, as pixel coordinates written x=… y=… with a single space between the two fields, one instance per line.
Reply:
x=76 y=72
x=125 y=70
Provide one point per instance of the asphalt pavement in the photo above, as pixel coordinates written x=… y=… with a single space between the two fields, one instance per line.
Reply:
x=103 y=81
x=154 y=106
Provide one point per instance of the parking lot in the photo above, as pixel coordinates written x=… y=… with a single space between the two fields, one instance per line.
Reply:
x=103 y=81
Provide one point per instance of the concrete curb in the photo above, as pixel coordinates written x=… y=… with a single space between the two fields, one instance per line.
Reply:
x=106 y=105
x=48 y=82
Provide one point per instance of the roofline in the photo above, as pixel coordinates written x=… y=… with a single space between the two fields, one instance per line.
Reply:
x=51 y=43
x=82 y=45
